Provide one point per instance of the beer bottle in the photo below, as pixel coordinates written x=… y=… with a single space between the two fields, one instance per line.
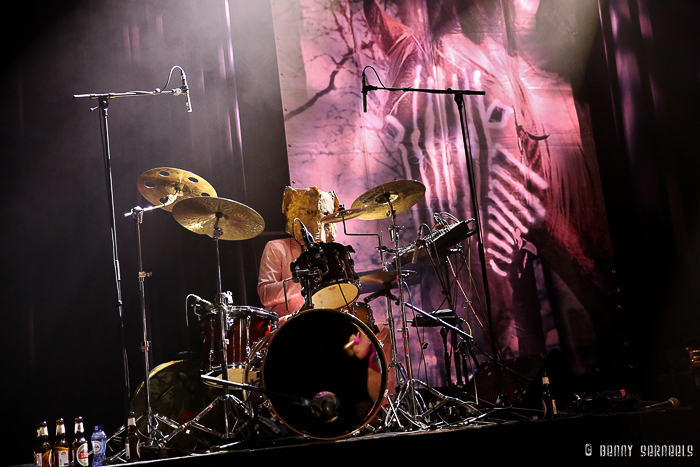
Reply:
x=549 y=405
x=131 y=440
x=60 y=447
x=81 y=452
x=42 y=449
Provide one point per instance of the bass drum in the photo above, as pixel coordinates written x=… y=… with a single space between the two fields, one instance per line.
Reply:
x=178 y=394
x=323 y=371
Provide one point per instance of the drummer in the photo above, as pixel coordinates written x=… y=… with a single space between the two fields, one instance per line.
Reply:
x=308 y=205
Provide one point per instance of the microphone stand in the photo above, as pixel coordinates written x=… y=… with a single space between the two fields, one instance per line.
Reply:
x=103 y=104
x=459 y=100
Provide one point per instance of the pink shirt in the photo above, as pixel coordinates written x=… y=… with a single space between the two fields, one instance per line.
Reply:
x=274 y=268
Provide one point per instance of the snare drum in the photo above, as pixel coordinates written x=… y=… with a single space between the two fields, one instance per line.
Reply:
x=245 y=325
x=324 y=371
x=337 y=285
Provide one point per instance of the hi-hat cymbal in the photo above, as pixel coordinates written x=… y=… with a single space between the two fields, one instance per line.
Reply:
x=165 y=186
x=402 y=194
x=237 y=221
x=385 y=277
x=343 y=214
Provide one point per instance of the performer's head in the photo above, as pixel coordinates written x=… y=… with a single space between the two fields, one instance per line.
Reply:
x=309 y=205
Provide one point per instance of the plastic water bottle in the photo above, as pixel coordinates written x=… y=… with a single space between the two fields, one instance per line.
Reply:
x=99 y=446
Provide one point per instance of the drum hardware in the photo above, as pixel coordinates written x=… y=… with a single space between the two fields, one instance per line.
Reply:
x=439 y=242
x=221 y=219
x=342 y=214
x=384 y=201
x=458 y=95
x=184 y=189
x=447 y=321
x=438 y=246
x=371 y=207
x=178 y=395
x=443 y=240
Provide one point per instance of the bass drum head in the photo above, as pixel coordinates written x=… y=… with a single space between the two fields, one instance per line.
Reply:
x=178 y=393
x=332 y=365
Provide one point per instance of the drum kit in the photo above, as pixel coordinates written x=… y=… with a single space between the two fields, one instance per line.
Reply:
x=322 y=372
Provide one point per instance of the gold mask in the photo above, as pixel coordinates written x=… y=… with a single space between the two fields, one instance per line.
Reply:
x=309 y=205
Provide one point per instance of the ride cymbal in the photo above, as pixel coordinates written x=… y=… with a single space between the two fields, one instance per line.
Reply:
x=165 y=186
x=400 y=194
x=237 y=221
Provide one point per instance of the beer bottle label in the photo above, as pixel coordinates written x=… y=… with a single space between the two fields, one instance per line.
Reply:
x=42 y=460
x=82 y=455
x=63 y=458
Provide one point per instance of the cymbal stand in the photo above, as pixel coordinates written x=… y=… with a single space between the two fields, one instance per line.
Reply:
x=395 y=365
x=153 y=435
x=222 y=304
x=407 y=392
x=442 y=398
x=400 y=374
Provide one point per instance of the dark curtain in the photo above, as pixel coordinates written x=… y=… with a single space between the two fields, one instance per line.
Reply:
x=61 y=345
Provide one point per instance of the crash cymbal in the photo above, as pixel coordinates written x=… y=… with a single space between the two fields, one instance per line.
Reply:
x=166 y=186
x=343 y=214
x=236 y=220
x=385 y=277
x=402 y=194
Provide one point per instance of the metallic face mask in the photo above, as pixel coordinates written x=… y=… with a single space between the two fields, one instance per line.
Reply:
x=310 y=205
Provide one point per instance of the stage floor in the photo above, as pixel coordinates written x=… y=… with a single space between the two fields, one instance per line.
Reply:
x=663 y=437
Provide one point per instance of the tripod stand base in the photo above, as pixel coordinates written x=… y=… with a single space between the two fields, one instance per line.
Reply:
x=177 y=396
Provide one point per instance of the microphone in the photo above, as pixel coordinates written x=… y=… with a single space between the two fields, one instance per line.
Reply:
x=186 y=89
x=364 y=92
x=199 y=302
x=439 y=221
x=306 y=235
x=672 y=402
x=325 y=406
x=418 y=245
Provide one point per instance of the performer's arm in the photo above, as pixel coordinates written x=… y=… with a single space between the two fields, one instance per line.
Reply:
x=274 y=268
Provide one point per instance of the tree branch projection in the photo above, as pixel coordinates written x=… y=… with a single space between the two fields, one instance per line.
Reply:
x=340 y=30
